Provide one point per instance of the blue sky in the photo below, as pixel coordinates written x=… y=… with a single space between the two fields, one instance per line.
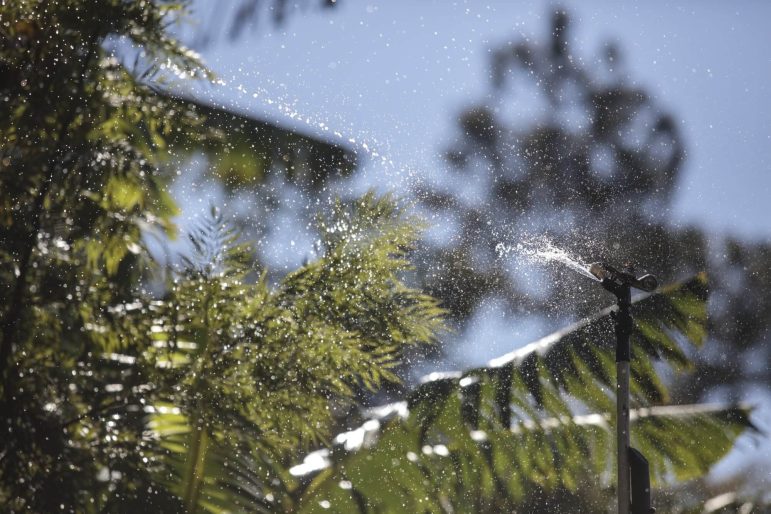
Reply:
x=393 y=75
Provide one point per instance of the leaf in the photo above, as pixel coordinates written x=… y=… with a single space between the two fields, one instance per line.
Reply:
x=250 y=372
x=484 y=439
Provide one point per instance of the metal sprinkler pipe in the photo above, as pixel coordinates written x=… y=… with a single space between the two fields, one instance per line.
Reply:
x=633 y=489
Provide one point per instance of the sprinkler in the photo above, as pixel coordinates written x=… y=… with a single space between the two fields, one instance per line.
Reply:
x=605 y=272
x=634 y=490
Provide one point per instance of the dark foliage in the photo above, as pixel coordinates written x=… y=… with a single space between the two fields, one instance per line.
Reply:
x=595 y=173
x=115 y=400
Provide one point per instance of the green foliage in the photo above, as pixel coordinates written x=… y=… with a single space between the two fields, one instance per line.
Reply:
x=117 y=401
x=496 y=437
x=83 y=137
x=247 y=368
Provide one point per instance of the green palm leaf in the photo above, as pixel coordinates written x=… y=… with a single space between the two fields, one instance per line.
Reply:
x=381 y=465
x=482 y=439
x=247 y=373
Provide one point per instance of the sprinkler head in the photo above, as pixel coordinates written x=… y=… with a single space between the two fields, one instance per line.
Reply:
x=605 y=272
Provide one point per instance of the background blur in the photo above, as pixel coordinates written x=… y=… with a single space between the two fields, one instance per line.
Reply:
x=411 y=88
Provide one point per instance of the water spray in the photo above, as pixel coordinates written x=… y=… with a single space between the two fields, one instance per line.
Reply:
x=634 y=489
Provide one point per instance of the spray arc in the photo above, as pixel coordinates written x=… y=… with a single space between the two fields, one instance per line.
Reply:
x=634 y=491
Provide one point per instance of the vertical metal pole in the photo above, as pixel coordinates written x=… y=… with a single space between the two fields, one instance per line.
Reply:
x=623 y=331
x=622 y=436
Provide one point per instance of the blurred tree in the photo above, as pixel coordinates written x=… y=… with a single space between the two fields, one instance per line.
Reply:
x=91 y=365
x=249 y=10
x=737 y=359
x=593 y=167
x=245 y=15
x=574 y=152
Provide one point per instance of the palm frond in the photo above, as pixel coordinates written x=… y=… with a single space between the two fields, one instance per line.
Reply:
x=248 y=372
x=383 y=464
x=479 y=440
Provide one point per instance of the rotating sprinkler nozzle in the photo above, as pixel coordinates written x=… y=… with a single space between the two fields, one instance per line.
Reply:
x=626 y=277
